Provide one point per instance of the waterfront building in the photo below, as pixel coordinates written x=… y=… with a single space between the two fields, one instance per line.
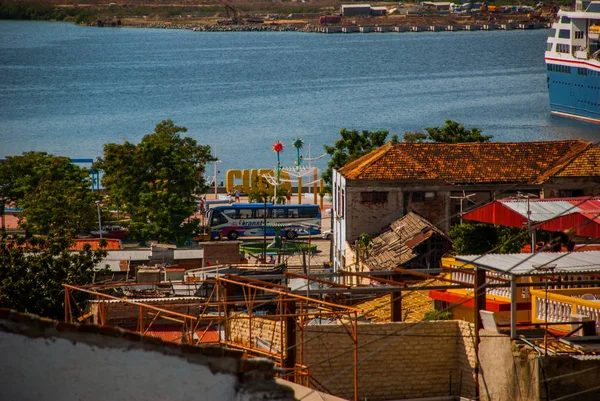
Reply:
x=439 y=181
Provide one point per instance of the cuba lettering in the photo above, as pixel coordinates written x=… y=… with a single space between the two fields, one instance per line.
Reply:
x=252 y=180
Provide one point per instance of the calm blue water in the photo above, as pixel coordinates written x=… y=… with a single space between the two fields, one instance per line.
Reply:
x=68 y=90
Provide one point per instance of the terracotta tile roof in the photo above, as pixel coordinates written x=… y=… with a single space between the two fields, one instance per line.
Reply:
x=111 y=244
x=395 y=246
x=472 y=163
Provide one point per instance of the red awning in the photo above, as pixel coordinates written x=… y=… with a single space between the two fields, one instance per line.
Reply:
x=581 y=214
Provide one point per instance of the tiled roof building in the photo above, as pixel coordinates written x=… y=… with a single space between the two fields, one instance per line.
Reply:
x=438 y=180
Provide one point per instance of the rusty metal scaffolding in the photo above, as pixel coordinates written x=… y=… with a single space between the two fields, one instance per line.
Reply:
x=237 y=299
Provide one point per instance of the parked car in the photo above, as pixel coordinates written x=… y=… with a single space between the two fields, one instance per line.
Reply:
x=327 y=234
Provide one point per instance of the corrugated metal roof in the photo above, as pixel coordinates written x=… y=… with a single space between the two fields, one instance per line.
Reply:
x=522 y=264
x=147 y=300
x=197 y=253
x=545 y=209
x=137 y=254
x=581 y=214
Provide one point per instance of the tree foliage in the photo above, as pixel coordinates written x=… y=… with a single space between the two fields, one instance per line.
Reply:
x=266 y=193
x=53 y=193
x=156 y=182
x=33 y=270
x=451 y=132
x=438 y=315
x=476 y=239
x=349 y=147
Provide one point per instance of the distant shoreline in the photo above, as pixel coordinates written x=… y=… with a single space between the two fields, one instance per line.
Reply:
x=309 y=28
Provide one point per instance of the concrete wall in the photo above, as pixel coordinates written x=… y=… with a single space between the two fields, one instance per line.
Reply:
x=48 y=360
x=513 y=371
x=397 y=360
x=565 y=376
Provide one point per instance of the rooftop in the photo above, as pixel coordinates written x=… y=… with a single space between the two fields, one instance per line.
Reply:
x=477 y=163
x=528 y=264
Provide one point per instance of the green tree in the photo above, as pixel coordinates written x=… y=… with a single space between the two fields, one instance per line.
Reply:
x=33 y=270
x=451 y=132
x=476 y=239
x=365 y=244
x=349 y=147
x=156 y=182
x=53 y=193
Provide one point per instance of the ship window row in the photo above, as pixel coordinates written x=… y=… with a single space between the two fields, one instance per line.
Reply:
x=563 y=48
x=586 y=72
x=578 y=34
x=549 y=46
x=559 y=68
x=565 y=20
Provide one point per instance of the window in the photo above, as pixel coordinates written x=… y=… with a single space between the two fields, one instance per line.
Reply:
x=422 y=196
x=569 y=193
x=565 y=20
x=374 y=197
x=552 y=33
x=563 y=48
x=578 y=34
x=279 y=213
x=564 y=34
x=343 y=203
x=231 y=213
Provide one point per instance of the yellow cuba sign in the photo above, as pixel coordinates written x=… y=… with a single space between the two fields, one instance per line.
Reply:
x=247 y=181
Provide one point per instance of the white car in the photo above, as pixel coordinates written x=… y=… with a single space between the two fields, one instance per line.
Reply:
x=327 y=234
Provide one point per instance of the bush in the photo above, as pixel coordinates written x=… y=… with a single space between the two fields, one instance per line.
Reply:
x=437 y=315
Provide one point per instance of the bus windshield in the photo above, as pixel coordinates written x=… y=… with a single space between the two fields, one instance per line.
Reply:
x=248 y=219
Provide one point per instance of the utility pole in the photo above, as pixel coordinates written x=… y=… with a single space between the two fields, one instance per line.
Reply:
x=462 y=198
x=99 y=219
x=529 y=220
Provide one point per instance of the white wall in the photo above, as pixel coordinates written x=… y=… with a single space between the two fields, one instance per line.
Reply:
x=339 y=223
x=58 y=369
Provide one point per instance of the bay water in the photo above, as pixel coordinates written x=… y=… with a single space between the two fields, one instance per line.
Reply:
x=68 y=90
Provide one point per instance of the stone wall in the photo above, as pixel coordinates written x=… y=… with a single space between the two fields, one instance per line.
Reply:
x=267 y=330
x=466 y=358
x=396 y=360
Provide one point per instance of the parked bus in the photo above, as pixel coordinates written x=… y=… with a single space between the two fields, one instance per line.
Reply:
x=248 y=219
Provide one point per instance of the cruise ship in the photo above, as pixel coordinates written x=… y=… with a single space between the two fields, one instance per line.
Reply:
x=573 y=62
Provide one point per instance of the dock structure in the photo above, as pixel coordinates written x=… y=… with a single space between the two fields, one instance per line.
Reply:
x=384 y=28
x=426 y=28
x=489 y=27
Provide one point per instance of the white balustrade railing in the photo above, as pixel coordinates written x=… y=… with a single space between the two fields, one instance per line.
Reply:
x=557 y=311
x=593 y=313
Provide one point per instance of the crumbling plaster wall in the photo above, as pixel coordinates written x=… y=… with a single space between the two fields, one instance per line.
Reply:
x=44 y=359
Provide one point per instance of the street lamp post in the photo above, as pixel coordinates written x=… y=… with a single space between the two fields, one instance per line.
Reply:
x=529 y=220
x=545 y=269
x=99 y=219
